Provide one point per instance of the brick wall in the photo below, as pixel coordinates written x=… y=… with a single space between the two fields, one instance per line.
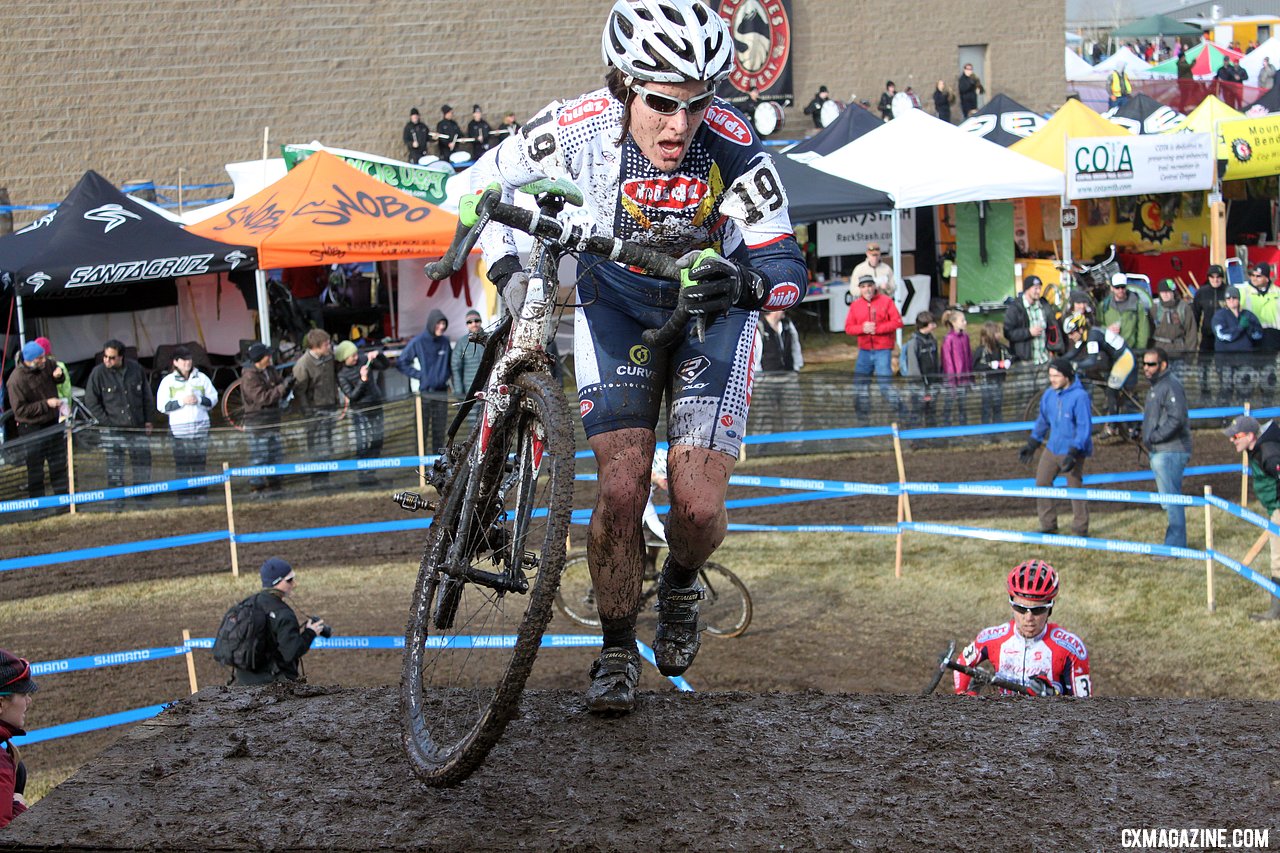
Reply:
x=140 y=90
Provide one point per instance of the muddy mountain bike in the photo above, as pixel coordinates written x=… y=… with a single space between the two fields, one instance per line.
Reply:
x=496 y=546
x=982 y=678
x=725 y=612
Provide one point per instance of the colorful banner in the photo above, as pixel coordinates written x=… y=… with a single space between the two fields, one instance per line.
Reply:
x=1253 y=147
x=1110 y=166
x=1144 y=223
x=419 y=181
x=762 y=32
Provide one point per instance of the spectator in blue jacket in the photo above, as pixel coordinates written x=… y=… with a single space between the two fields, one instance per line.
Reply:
x=1236 y=331
x=1065 y=415
x=426 y=362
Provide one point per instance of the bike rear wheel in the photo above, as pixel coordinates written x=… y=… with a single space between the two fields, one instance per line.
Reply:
x=726 y=610
x=469 y=646
x=576 y=597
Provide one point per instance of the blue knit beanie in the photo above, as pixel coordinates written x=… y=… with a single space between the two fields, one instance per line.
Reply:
x=31 y=351
x=273 y=571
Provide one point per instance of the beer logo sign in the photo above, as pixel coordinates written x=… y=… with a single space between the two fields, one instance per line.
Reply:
x=1151 y=220
x=761 y=34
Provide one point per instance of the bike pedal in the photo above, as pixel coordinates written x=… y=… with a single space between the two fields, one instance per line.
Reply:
x=412 y=502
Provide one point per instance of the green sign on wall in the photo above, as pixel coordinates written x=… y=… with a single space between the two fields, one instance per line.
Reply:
x=418 y=181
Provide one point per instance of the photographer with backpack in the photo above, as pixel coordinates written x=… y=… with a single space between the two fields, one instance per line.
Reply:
x=260 y=638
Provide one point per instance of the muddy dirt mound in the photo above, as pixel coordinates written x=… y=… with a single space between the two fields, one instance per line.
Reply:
x=314 y=768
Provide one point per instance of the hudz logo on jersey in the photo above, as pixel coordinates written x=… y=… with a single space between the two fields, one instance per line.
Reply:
x=726 y=124
x=675 y=193
x=585 y=110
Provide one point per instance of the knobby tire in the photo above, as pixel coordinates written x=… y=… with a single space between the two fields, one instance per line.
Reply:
x=456 y=702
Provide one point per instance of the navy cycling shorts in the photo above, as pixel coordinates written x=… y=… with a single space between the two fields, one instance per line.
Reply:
x=621 y=381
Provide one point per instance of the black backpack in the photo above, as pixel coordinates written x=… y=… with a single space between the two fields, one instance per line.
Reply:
x=241 y=641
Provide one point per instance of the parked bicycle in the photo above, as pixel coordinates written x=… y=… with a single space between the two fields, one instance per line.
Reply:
x=725 y=612
x=1093 y=278
x=496 y=547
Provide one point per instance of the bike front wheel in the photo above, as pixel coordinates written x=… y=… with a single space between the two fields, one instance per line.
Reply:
x=726 y=610
x=486 y=582
x=576 y=597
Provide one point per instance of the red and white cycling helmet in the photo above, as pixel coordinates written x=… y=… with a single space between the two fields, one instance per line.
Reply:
x=667 y=41
x=1035 y=580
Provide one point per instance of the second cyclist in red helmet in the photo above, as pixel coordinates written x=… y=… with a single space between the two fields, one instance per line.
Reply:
x=1029 y=647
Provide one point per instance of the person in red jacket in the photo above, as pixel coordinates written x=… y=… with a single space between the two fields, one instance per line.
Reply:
x=873 y=318
x=16 y=687
x=1029 y=648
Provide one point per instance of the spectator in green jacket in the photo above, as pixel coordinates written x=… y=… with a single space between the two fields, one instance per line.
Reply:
x=1124 y=313
x=1263 y=299
x=1262 y=443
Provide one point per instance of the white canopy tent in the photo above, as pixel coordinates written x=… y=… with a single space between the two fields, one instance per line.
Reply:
x=920 y=160
x=1252 y=62
x=1079 y=71
x=1137 y=67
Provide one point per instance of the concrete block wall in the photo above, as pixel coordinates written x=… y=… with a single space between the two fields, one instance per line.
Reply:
x=170 y=90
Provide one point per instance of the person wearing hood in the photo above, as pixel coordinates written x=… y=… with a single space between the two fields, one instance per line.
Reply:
x=465 y=361
x=359 y=382
x=16 y=689
x=426 y=361
x=1066 y=417
x=186 y=395
x=316 y=388
x=264 y=391
x=33 y=398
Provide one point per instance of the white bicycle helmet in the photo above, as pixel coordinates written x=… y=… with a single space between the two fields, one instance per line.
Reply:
x=667 y=41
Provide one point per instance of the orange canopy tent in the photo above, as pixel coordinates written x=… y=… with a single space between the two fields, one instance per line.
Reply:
x=325 y=211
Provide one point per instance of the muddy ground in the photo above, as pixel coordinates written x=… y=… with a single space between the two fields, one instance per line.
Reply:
x=816 y=767
x=309 y=768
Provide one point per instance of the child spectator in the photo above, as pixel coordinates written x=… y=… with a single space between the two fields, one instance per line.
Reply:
x=920 y=360
x=957 y=365
x=992 y=360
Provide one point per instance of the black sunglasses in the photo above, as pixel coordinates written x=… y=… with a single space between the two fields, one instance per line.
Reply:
x=668 y=105
x=1035 y=610
x=1150 y=364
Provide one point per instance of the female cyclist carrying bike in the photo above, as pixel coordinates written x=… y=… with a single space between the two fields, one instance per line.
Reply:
x=662 y=162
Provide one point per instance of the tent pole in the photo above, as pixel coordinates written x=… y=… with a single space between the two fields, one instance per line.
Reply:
x=1066 y=280
x=22 y=323
x=895 y=234
x=264 y=322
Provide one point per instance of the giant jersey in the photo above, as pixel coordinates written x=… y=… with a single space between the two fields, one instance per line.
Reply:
x=1056 y=654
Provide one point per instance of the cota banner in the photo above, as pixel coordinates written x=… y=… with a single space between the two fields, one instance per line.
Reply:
x=761 y=31
x=418 y=181
x=1110 y=166
x=1253 y=147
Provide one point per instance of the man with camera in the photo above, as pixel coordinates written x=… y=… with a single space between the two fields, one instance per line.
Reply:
x=285 y=641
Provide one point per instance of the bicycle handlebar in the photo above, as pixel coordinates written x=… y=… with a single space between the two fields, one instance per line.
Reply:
x=548 y=228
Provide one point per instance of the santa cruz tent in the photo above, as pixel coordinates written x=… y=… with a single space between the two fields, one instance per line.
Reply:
x=325 y=211
x=1144 y=114
x=852 y=123
x=1003 y=121
x=102 y=252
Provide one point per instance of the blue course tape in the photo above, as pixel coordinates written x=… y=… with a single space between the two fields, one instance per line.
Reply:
x=992 y=489
x=115 y=550
x=331 y=465
x=340 y=530
x=89 y=725
x=1243 y=514
x=54 y=667
x=96 y=495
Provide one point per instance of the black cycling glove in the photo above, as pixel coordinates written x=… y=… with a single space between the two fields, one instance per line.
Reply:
x=1074 y=457
x=502 y=269
x=1025 y=454
x=720 y=284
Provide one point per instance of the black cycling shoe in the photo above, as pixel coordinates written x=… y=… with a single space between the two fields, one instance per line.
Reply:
x=677 y=640
x=614 y=677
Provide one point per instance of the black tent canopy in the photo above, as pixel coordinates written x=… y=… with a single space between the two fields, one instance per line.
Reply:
x=1003 y=121
x=853 y=122
x=101 y=251
x=814 y=195
x=1144 y=114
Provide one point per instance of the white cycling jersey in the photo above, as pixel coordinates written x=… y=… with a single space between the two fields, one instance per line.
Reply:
x=1055 y=654
x=726 y=193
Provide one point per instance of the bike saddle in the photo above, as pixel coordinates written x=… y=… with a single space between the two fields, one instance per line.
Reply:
x=561 y=187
